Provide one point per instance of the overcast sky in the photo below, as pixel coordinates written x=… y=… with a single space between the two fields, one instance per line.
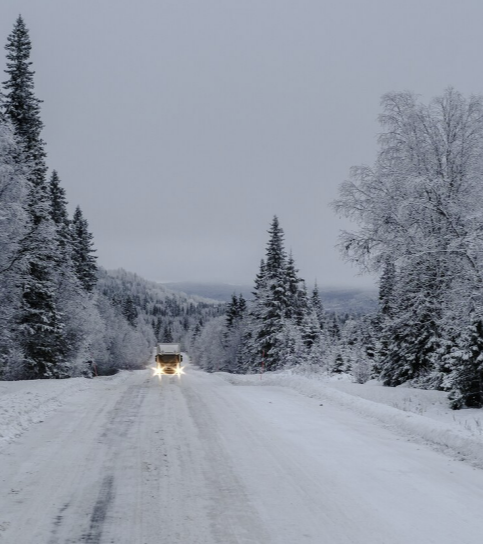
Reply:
x=182 y=126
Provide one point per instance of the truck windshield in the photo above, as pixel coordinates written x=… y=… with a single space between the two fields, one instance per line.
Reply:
x=169 y=359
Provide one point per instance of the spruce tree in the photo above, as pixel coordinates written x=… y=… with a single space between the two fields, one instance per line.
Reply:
x=297 y=299
x=280 y=302
x=290 y=347
x=233 y=335
x=21 y=105
x=310 y=328
x=235 y=310
x=276 y=258
x=83 y=251
x=386 y=314
x=413 y=335
x=232 y=311
x=271 y=300
x=40 y=324
x=467 y=361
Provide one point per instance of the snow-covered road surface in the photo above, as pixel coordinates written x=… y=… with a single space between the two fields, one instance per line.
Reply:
x=201 y=461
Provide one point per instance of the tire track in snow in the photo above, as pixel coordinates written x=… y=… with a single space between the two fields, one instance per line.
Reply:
x=233 y=517
x=57 y=523
x=100 y=510
x=106 y=454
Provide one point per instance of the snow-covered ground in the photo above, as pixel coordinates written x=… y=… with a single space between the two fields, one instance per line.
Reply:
x=418 y=414
x=25 y=403
x=216 y=458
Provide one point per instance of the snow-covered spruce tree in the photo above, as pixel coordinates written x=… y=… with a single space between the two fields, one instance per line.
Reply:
x=421 y=206
x=290 y=346
x=233 y=337
x=272 y=302
x=266 y=330
x=357 y=347
x=466 y=360
x=83 y=251
x=313 y=321
x=386 y=313
x=233 y=313
x=22 y=107
x=413 y=334
x=40 y=324
x=280 y=302
x=249 y=355
x=310 y=328
x=276 y=257
x=297 y=305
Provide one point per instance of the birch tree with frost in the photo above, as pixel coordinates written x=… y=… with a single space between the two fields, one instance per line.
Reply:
x=421 y=207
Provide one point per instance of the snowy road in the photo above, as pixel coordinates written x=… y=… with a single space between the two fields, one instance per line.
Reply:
x=138 y=461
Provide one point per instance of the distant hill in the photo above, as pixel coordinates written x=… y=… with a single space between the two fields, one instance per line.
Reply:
x=340 y=300
x=213 y=291
x=349 y=300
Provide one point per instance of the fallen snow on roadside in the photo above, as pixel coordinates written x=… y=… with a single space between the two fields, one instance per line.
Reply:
x=25 y=403
x=420 y=414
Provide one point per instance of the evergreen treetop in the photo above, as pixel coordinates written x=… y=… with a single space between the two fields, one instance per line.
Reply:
x=275 y=255
x=58 y=201
x=20 y=103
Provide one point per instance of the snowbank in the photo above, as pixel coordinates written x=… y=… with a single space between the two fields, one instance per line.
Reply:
x=25 y=403
x=457 y=433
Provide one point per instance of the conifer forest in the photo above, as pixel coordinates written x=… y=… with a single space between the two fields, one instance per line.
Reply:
x=418 y=226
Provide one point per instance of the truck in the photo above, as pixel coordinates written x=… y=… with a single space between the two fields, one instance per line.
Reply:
x=168 y=359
